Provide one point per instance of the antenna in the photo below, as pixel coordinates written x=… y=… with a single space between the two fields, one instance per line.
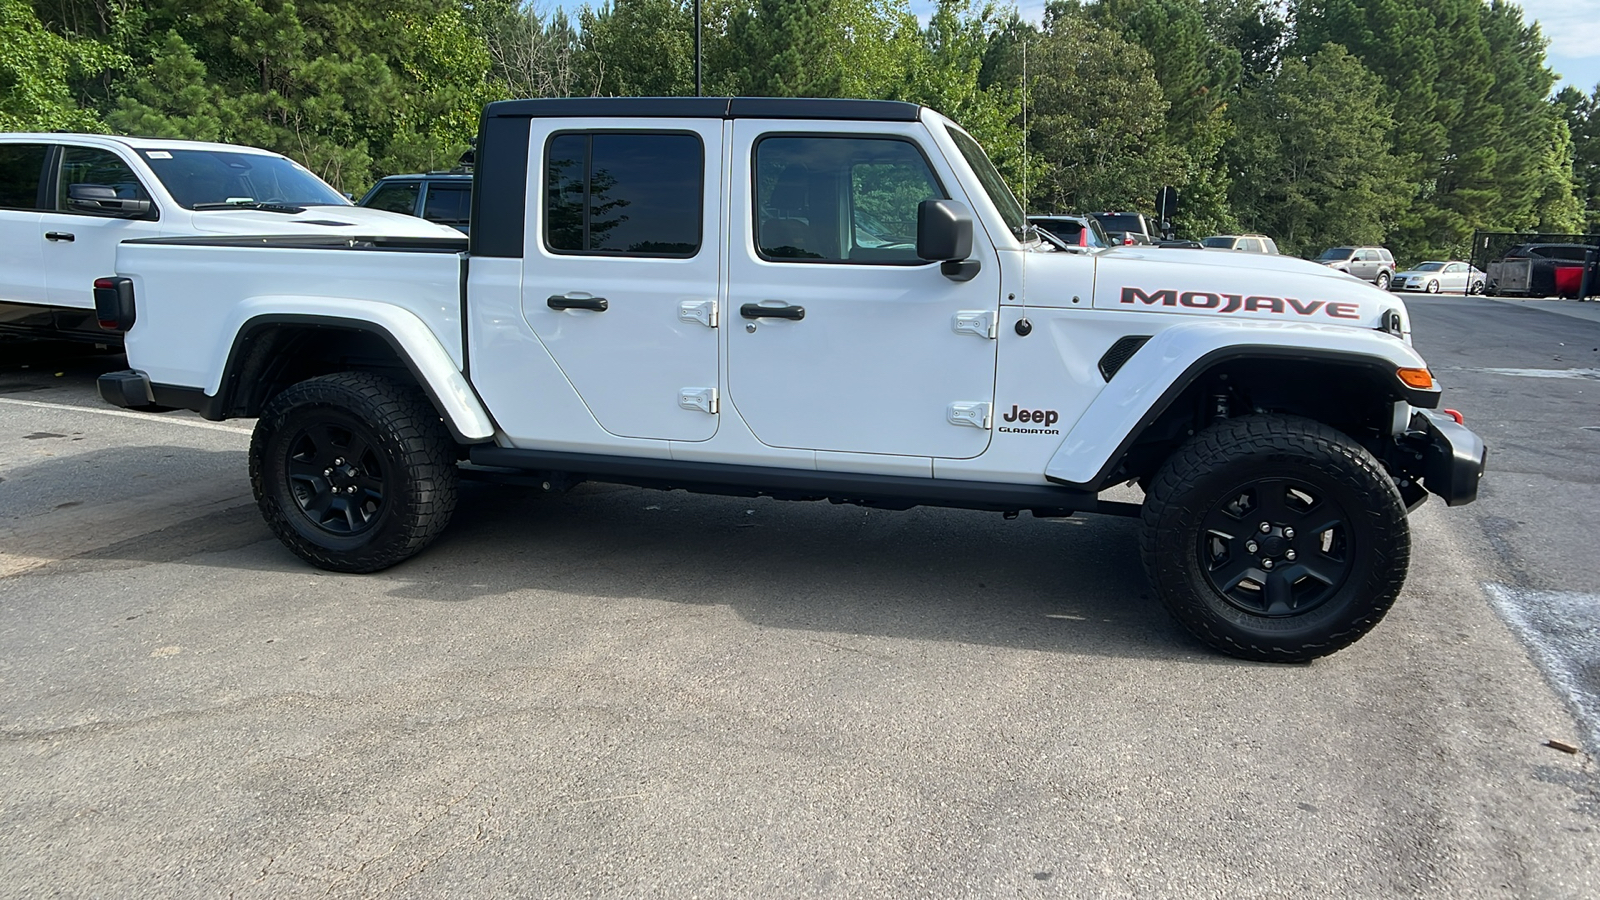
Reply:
x=1023 y=326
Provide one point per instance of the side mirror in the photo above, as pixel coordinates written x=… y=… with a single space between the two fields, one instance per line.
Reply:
x=944 y=235
x=944 y=231
x=103 y=201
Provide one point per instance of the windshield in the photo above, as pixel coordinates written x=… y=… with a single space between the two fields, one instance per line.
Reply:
x=1225 y=243
x=1429 y=267
x=993 y=184
x=200 y=177
x=1335 y=254
x=1123 y=222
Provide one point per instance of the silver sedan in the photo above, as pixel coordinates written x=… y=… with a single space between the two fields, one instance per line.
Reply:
x=1451 y=277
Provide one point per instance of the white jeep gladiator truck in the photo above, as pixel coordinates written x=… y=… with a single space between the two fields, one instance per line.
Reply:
x=809 y=299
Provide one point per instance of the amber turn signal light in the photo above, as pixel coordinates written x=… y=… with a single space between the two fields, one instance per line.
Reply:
x=1421 y=379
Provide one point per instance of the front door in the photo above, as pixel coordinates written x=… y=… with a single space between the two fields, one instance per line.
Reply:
x=78 y=246
x=621 y=279
x=841 y=339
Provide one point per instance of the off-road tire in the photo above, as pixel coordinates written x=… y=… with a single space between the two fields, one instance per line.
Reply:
x=403 y=469
x=1260 y=457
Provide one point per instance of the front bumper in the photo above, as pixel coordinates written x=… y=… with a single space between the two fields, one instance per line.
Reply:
x=1453 y=457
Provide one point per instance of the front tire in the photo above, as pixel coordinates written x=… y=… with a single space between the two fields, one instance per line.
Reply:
x=354 y=472
x=1433 y=287
x=1323 y=571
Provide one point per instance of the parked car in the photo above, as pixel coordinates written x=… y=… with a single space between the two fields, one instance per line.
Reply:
x=1374 y=264
x=1248 y=243
x=1126 y=227
x=1539 y=270
x=1076 y=231
x=68 y=200
x=613 y=348
x=441 y=197
x=1433 y=277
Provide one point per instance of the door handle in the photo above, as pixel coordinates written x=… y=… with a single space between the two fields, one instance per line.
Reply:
x=598 y=304
x=67 y=236
x=757 y=311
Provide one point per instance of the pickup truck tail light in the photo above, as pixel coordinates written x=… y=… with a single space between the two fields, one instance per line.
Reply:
x=113 y=303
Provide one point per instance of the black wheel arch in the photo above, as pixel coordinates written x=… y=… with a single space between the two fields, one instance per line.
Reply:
x=273 y=351
x=1351 y=392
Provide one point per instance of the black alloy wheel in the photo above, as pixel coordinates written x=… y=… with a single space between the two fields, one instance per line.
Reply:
x=335 y=475
x=1276 y=547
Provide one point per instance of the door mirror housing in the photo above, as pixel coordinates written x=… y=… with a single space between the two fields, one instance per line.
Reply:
x=101 y=200
x=944 y=231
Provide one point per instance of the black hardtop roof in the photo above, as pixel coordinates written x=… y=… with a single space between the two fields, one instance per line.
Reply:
x=707 y=108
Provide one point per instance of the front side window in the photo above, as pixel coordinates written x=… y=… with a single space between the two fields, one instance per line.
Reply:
x=395 y=197
x=624 y=194
x=840 y=199
x=91 y=165
x=21 y=165
x=993 y=185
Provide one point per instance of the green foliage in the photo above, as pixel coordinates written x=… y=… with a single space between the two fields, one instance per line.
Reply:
x=1314 y=165
x=39 y=70
x=1582 y=117
x=1411 y=122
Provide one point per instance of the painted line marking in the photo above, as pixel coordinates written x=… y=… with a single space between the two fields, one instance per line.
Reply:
x=1559 y=627
x=1545 y=373
x=143 y=417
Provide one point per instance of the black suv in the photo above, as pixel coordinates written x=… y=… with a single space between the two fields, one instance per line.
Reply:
x=443 y=197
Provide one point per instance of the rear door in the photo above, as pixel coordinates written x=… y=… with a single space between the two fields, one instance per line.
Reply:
x=622 y=273
x=843 y=339
x=21 y=250
x=79 y=246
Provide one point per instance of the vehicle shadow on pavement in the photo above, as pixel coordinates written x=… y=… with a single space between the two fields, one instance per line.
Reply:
x=1053 y=585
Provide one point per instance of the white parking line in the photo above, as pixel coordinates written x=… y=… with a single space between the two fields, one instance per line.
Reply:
x=143 y=417
x=1559 y=627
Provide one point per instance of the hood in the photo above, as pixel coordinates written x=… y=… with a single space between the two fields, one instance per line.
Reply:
x=350 y=220
x=1218 y=284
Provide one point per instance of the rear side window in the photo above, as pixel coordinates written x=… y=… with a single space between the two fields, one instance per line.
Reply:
x=448 y=204
x=20 y=168
x=624 y=193
x=91 y=165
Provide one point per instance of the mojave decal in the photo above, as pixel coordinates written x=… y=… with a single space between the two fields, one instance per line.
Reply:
x=1229 y=303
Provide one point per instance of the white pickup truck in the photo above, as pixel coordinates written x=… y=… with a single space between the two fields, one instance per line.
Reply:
x=67 y=200
x=810 y=299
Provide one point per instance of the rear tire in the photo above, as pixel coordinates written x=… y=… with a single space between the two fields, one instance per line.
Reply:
x=1324 y=572
x=354 y=472
x=1383 y=281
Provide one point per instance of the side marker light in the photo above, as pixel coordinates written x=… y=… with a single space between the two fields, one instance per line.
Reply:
x=1421 y=379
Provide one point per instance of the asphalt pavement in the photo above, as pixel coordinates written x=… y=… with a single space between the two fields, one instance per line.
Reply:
x=622 y=692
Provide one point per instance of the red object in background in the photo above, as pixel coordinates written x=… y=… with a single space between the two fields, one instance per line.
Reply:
x=1569 y=280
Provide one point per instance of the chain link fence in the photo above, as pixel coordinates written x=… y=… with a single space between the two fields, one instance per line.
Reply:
x=1531 y=264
